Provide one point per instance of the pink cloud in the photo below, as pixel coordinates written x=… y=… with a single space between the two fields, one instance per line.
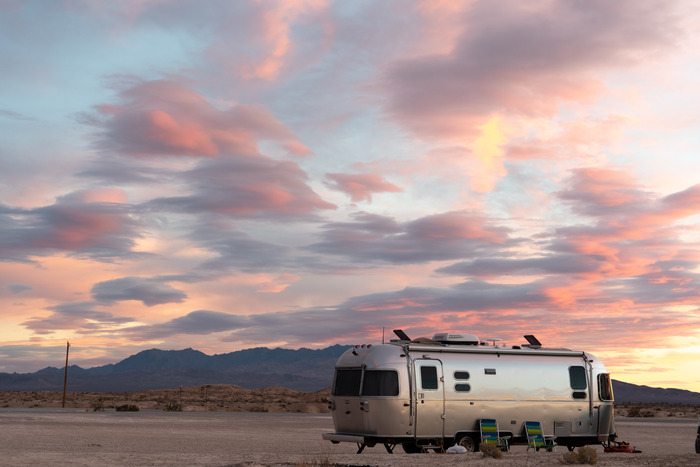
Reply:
x=634 y=239
x=276 y=27
x=579 y=140
x=360 y=187
x=91 y=223
x=508 y=63
x=247 y=187
x=456 y=226
x=268 y=32
x=613 y=195
x=158 y=131
x=78 y=225
x=379 y=239
x=166 y=118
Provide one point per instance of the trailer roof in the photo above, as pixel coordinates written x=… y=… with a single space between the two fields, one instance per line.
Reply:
x=488 y=349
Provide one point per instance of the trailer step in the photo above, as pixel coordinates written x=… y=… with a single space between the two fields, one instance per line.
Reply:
x=430 y=446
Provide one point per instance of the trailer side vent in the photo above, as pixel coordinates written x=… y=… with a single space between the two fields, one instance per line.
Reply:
x=489 y=371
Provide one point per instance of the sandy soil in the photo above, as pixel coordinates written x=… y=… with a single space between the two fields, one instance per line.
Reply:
x=76 y=437
x=228 y=425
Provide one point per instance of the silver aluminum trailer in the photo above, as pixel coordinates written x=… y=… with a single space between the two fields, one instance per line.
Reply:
x=431 y=393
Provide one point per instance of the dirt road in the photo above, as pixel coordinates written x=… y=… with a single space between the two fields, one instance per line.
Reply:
x=57 y=437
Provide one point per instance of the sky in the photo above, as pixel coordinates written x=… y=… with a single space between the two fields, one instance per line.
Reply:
x=224 y=175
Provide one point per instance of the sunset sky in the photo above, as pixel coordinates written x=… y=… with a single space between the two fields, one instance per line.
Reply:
x=232 y=174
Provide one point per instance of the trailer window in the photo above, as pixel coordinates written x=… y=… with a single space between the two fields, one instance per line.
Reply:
x=577 y=376
x=428 y=377
x=380 y=383
x=347 y=382
x=461 y=375
x=463 y=387
x=605 y=391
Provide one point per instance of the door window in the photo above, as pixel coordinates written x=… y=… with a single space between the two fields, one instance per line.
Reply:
x=429 y=377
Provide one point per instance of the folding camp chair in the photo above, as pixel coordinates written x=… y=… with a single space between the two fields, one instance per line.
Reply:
x=489 y=434
x=537 y=439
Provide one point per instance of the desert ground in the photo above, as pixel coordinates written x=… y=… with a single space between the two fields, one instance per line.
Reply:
x=212 y=397
x=279 y=428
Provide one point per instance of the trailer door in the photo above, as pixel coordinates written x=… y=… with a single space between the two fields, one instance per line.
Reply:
x=430 y=398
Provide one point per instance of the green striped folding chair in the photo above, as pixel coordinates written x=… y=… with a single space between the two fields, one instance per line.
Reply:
x=489 y=434
x=536 y=438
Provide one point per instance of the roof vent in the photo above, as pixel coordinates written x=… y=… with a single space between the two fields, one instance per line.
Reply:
x=456 y=339
x=532 y=340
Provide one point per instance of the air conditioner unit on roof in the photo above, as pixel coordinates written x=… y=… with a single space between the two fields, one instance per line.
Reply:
x=463 y=339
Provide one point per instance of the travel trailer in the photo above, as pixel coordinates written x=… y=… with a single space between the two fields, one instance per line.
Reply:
x=427 y=394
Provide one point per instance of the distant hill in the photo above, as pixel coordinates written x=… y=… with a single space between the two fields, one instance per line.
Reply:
x=302 y=370
x=627 y=392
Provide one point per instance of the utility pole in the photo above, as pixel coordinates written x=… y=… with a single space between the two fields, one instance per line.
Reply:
x=65 y=376
x=206 y=397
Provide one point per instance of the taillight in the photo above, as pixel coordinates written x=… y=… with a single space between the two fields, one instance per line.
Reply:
x=331 y=404
x=364 y=406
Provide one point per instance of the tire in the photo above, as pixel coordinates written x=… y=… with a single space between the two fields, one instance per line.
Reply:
x=468 y=443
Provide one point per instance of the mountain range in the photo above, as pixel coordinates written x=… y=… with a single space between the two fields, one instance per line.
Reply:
x=302 y=370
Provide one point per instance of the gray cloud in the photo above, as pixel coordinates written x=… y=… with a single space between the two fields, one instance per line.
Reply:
x=554 y=264
x=377 y=239
x=196 y=322
x=150 y=291
x=353 y=317
x=101 y=231
x=19 y=288
x=80 y=315
x=248 y=187
x=239 y=251
x=12 y=115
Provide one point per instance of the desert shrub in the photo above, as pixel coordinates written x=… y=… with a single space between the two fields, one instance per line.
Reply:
x=173 y=407
x=127 y=408
x=324 y=460
x=98 y=405
x=634 y=412
x=490 y=450
x=584 y=455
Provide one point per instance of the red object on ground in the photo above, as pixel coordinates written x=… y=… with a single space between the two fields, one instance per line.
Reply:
x=620 y=447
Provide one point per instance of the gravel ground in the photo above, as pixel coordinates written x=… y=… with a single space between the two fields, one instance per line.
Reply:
x=58 y=437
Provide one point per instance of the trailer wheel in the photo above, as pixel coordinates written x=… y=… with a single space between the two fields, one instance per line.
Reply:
x=468 y=443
